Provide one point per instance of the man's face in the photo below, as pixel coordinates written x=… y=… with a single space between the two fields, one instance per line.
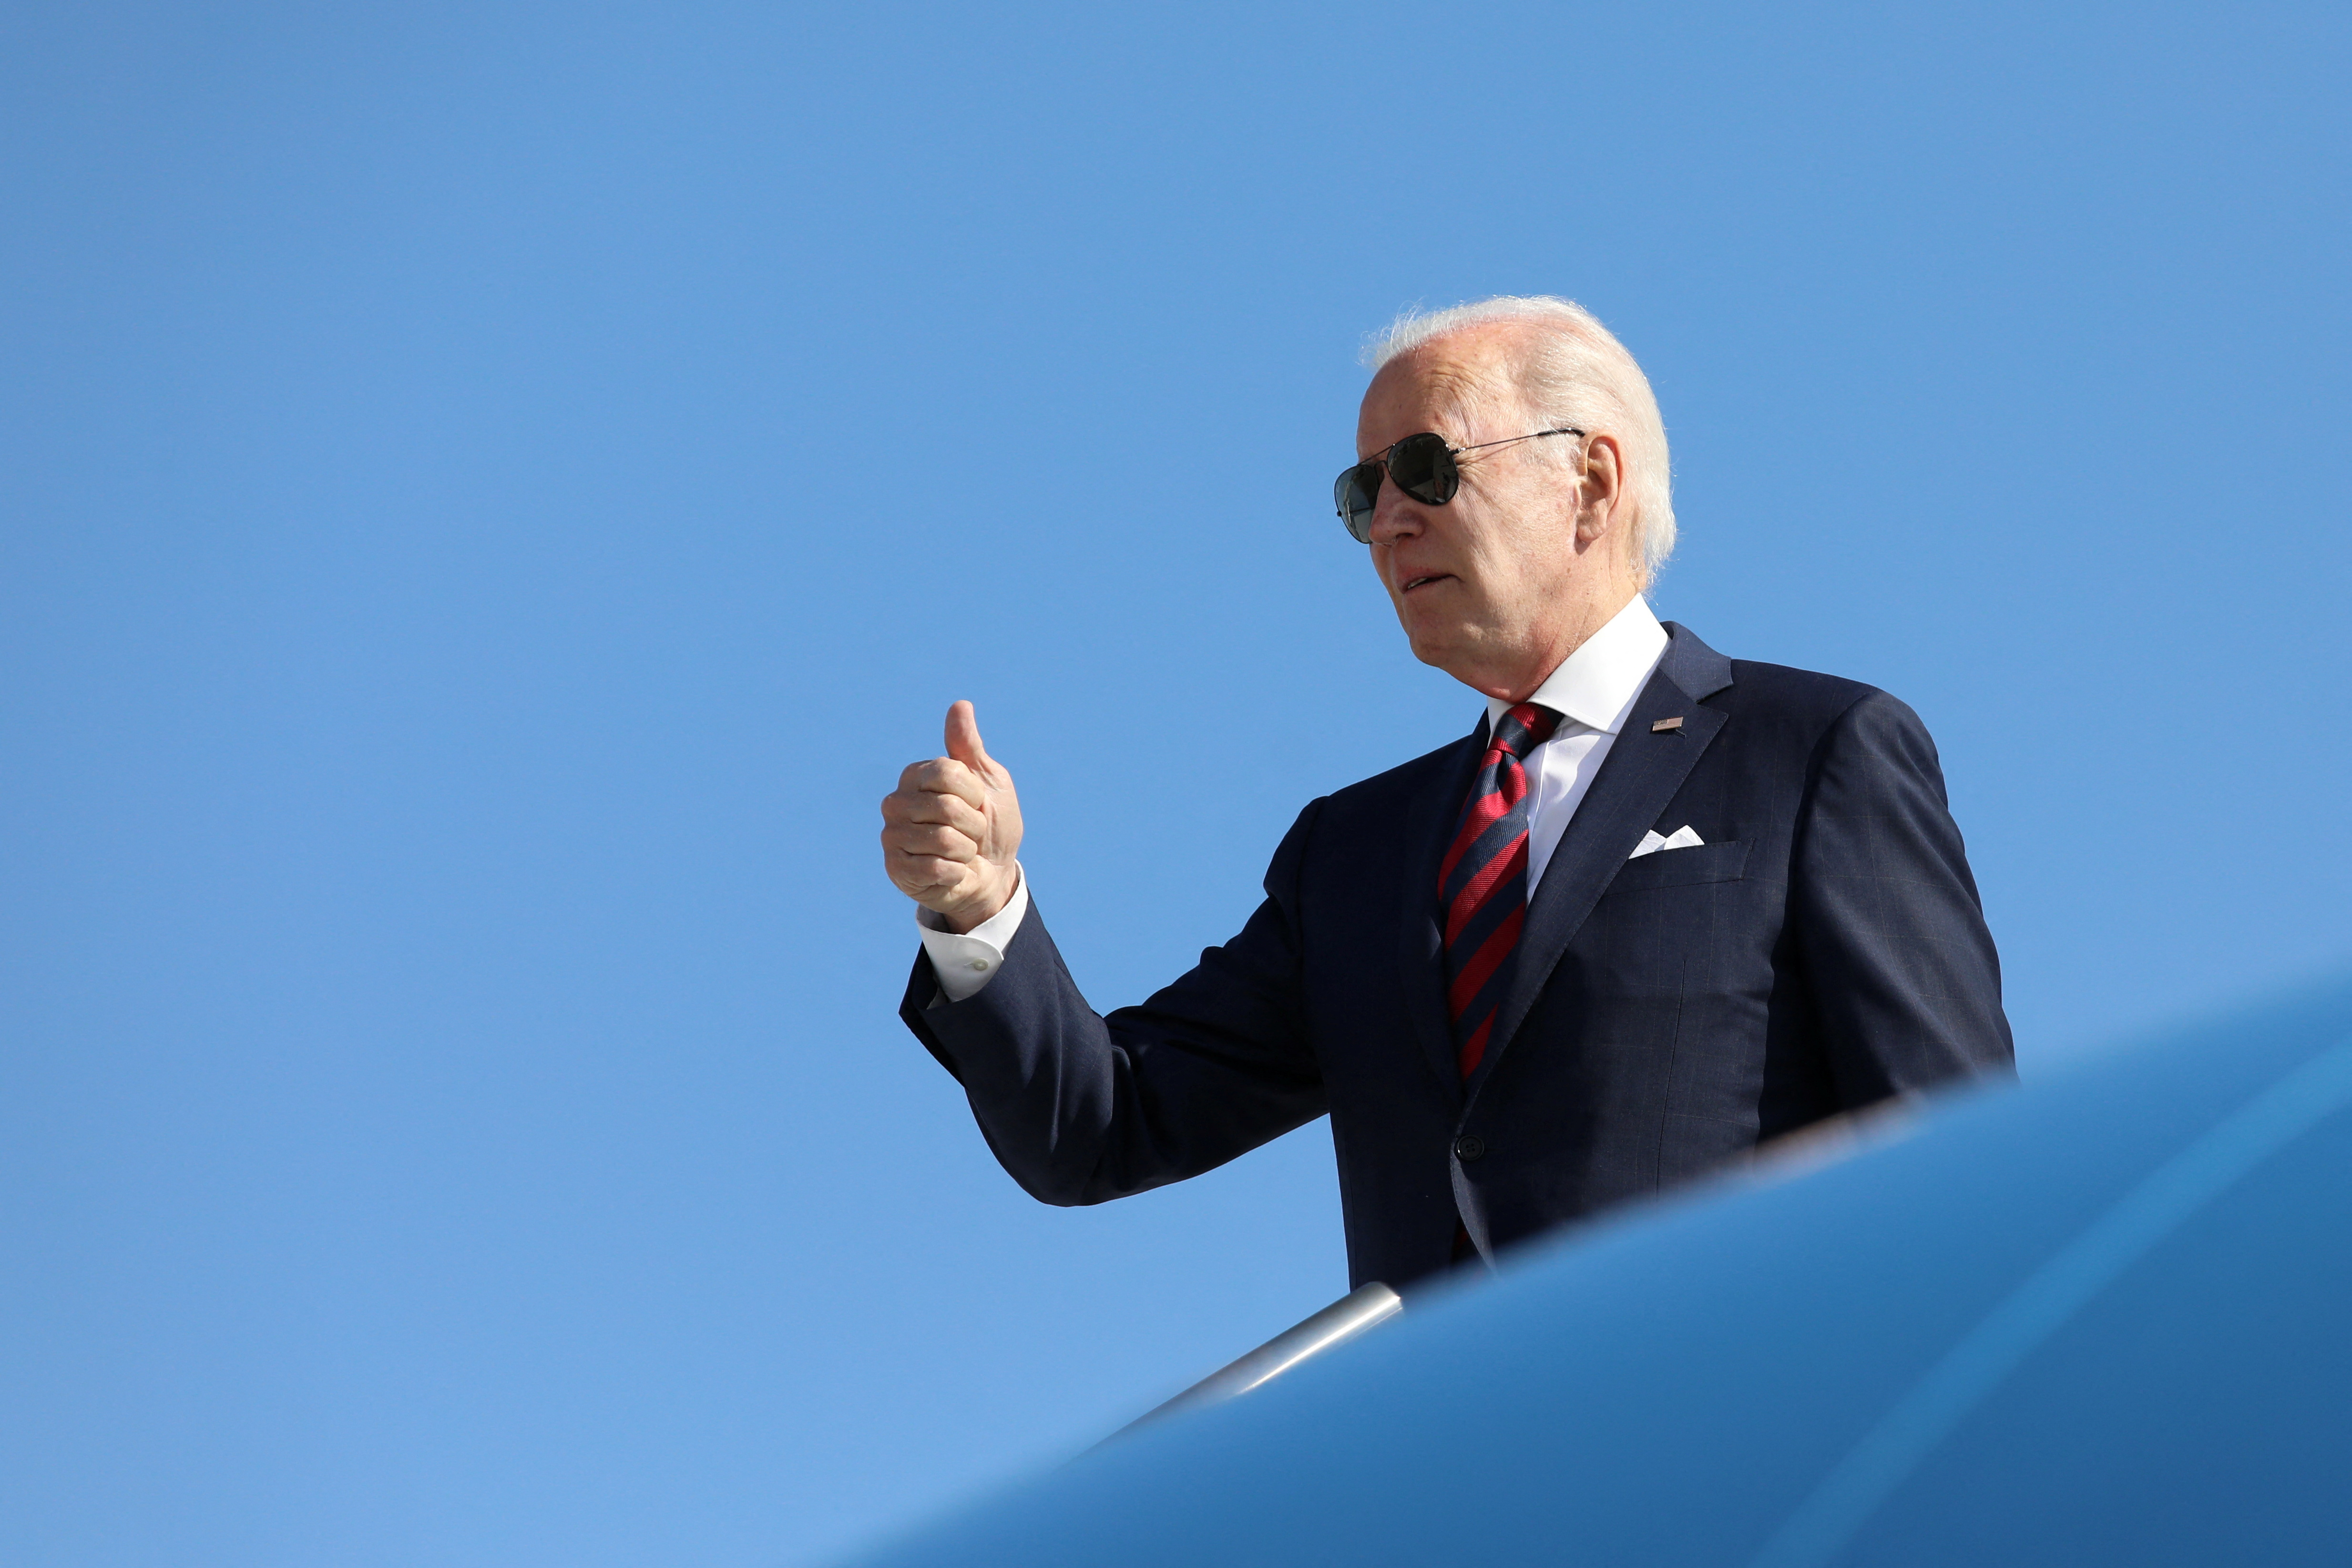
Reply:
x=1491 y=587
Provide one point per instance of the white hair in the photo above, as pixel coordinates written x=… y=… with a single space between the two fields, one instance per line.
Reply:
x=1581 y=375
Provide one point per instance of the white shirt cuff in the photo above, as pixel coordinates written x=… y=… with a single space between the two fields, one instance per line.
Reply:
x=967 y=961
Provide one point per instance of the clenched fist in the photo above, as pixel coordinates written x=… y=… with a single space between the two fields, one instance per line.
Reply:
x=950 y=830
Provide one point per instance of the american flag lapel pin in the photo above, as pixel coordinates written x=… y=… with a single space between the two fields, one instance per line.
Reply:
x=1667 y=726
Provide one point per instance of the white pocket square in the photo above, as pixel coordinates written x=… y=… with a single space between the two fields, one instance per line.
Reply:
x=1681 y=838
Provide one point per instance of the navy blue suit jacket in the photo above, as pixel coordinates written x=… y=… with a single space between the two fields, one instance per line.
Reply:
x=1822 y=949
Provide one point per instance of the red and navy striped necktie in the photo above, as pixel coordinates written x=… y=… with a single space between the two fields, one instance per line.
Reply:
x=1482 y=887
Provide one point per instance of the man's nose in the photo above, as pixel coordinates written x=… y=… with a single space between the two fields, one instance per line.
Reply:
x=1395 y=515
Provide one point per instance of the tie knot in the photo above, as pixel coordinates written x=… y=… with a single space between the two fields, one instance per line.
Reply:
x=1522 y=729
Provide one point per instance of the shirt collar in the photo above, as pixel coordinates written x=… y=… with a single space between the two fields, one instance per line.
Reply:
x=1597 y=683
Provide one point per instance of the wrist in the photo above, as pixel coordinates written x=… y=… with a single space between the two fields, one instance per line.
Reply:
x=983 y=907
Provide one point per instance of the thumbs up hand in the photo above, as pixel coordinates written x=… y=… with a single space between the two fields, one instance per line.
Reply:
x=951 y=829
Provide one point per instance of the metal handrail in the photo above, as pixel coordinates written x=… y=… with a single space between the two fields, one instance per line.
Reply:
x=1343 y=1319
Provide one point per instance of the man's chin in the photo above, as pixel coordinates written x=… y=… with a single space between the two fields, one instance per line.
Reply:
x=1439 y=651
x=1469 y=653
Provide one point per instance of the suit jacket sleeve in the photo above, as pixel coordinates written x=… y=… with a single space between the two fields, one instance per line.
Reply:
x=1891 y=936
x=1079 y=1108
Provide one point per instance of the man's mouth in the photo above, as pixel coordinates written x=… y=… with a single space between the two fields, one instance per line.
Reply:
x=1424 y=581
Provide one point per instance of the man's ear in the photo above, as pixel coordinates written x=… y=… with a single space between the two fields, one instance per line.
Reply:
x=1601 y=489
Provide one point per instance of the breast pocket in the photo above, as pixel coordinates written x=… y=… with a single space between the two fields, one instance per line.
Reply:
x=1681 y=868
x=1665 y=925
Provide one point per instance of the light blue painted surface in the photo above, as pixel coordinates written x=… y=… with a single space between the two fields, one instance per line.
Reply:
x=2100 y=1314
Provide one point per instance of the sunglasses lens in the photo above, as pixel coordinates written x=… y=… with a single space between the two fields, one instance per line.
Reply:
x=1424 y=469
x=1421 y=465
x=1357 y=489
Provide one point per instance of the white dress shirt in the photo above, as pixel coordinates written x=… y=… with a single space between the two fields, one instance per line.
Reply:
x=1593 y=691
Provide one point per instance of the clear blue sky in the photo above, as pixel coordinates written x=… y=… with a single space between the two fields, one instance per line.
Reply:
x=493 y=496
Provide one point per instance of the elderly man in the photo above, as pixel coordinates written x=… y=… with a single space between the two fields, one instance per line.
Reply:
x=1658 y=907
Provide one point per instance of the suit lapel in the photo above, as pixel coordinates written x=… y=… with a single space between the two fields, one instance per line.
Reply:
x=1420 y=949
x=1637 y=780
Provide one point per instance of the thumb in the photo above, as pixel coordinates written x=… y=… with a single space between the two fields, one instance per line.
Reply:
x=963 y=743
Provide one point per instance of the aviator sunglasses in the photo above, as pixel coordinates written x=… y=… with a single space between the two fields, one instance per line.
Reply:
x=1421 y=466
